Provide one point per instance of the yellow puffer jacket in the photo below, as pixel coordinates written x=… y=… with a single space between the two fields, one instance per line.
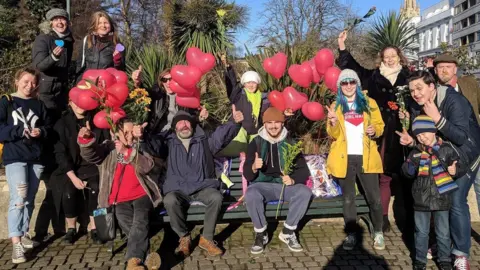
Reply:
x=337 y=158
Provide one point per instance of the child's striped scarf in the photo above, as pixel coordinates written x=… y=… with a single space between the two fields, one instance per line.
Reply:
x=443 y=180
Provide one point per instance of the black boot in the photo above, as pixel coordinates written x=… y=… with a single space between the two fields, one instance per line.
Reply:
x=94 y=237
x=386 y=224
x=70 y=236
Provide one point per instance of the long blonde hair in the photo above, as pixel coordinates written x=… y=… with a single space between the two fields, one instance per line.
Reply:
x=93 y=27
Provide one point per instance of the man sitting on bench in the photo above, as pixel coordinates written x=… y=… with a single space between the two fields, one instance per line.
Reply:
x=264 y=167
x=191 y=175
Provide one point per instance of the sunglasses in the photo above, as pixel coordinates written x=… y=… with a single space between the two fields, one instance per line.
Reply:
x=345 y=83
x=164 y=80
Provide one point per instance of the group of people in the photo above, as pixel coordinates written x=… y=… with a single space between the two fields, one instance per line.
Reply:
x=170 y=159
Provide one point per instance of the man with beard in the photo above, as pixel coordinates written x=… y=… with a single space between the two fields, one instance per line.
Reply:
x=264 y=166
x=456 y=122
x=191 y=174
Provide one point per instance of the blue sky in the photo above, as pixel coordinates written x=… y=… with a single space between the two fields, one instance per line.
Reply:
x=359 y=6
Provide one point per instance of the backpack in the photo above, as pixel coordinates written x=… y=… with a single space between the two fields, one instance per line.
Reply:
x=9 y=112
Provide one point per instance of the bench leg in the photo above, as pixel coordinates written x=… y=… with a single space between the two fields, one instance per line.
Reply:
x=368 y=221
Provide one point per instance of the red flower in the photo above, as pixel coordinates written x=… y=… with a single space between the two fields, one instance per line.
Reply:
x=393 y=106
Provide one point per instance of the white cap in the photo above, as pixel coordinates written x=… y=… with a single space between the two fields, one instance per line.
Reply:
x=250 y=76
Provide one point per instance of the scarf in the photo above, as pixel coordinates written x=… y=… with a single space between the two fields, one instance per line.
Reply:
x=443 y=180
x=390 y=73
x=256 y=100
x=62 y=35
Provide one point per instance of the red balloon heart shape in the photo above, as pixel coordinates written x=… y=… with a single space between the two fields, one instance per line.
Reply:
x=85 y=85
x=117 y=114
x=105 y=78
x=317 y=78
x=324 y=59
x=301 y=74
x=313 y=111
x=293 y=99
x=186 y=76
x=277 y=100
x=204 y=61
x=120 y=76
x=116 y=95
x=276 y=65
x=100 y=118
x=188 y=102
x=87 y=100
x=176 y=88
x=331 y=77
x=73 y=94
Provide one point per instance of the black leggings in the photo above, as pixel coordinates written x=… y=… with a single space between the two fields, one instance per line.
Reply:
x=72 y=197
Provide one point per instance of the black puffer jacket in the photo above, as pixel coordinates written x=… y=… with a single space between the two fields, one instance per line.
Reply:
x=424 y=190
x=53 y=84
x=382 y=91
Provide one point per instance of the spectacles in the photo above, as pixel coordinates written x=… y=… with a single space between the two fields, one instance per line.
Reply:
x=345 y=83
x=164 y=80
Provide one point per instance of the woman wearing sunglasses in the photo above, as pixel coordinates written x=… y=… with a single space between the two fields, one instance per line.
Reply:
x=354 y=122
x=392 y=71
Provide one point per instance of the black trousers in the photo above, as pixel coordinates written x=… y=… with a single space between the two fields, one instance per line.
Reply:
x=72 y=197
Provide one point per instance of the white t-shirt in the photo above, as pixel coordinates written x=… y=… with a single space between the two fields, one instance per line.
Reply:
x=354 y=131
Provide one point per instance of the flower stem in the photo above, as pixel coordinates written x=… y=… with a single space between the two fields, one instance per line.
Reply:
x=280 y=201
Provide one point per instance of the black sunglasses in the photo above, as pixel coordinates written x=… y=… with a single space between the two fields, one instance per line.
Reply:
x=345 y=83
x=166 y=79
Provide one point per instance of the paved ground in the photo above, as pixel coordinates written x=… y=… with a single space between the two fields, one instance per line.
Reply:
x=321 y=242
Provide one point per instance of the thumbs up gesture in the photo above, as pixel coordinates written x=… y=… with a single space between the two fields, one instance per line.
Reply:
x=257 y=164
x=138 y=130
x=405 y=138
x=452 y=169
x=237 y=115
x=137 y=76
x=86 y=131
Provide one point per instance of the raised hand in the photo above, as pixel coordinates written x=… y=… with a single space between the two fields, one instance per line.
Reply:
x=405 y=138
x=120 y=147
x=57 y=51
x=137 y=76
x=138 y=130
x=431 y=109
x=341 y=40
x=258 y=163
x=85 y=132
x=332 y=116
x=203 y=114
x=452 y=169
x=237 y=115
x=402 y=114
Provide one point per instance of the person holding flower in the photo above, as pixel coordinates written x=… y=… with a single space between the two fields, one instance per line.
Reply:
x=354 y=122
x=275 y=173
x=382 y=83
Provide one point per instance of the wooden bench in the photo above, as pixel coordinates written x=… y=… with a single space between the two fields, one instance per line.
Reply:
x=319 y=208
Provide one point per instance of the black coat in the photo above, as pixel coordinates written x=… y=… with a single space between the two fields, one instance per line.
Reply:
x=382 y=91
x=53 y=85
x=424 y=190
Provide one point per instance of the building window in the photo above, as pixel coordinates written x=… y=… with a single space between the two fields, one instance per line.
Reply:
x=463 y=40
x=471 y=20
x=473 y=3
x=471 y=38
x=464 y=23
x=464 y=6
x=457 y=10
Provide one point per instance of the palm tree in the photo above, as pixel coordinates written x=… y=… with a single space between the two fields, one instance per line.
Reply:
x=390 y=30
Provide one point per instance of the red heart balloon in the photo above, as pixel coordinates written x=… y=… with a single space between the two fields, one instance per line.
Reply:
x=204 y=61
x=313 y=111
x=276 y=65
x=188 y=102
x=186 y=76
x=117 y=114
x=324 y=59
x=317 y=78
x=87 y=100
x=277 y=100
x=120 y=76
x=176 y=88
x=116 y=95
x=293 y=99
x=301 y=74
x=100 y=120
x=73 y=94
x=85 y=85
x=331 y=77
x=105 y=78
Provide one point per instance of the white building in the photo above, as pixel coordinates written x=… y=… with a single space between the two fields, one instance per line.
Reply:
x=435 y=27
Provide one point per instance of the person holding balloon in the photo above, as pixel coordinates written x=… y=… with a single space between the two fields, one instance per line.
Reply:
x=382 y=83
x=74 y=174
x=101 y=48
x=354 y=122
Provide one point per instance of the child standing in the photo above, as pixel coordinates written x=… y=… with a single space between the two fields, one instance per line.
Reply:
x=433 y=163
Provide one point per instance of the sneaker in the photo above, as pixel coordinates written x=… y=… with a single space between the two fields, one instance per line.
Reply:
x=261 y=239
x=429 y=254
x=291 y=241
x=94 y=237
x=418 y=265
x=70 y=236
x=153 y=261
x=445 y=266
x=209 y=246
x=185 y=246
x=379 y=241
x=134 y=264
x=18 y=253
x=461 y=263
x=350 y=242
x=27 y=242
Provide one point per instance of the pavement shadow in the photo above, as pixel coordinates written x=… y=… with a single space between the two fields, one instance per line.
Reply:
x=352 y=258
x=476 y=236
x=403 y=210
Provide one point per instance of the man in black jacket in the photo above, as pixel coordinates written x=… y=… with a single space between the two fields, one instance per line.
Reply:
x=265 y=166
x=456 y=122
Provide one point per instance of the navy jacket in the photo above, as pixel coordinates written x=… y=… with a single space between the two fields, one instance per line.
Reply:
x=194 y=170
x=17 y=148
x=458 y=123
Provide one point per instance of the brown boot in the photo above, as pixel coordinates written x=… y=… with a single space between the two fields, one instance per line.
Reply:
x=153 y=261
x=135 y=264
x=210 y=247
x=185 y=246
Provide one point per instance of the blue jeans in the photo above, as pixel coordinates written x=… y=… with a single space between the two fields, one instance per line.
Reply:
x=442 y=232
x=23 y=181
x=460 y=225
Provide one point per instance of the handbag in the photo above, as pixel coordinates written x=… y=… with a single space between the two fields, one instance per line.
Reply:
x=105 y=220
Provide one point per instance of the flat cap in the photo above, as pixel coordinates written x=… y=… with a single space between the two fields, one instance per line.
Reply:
x=56 y=12
x=445 y=58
